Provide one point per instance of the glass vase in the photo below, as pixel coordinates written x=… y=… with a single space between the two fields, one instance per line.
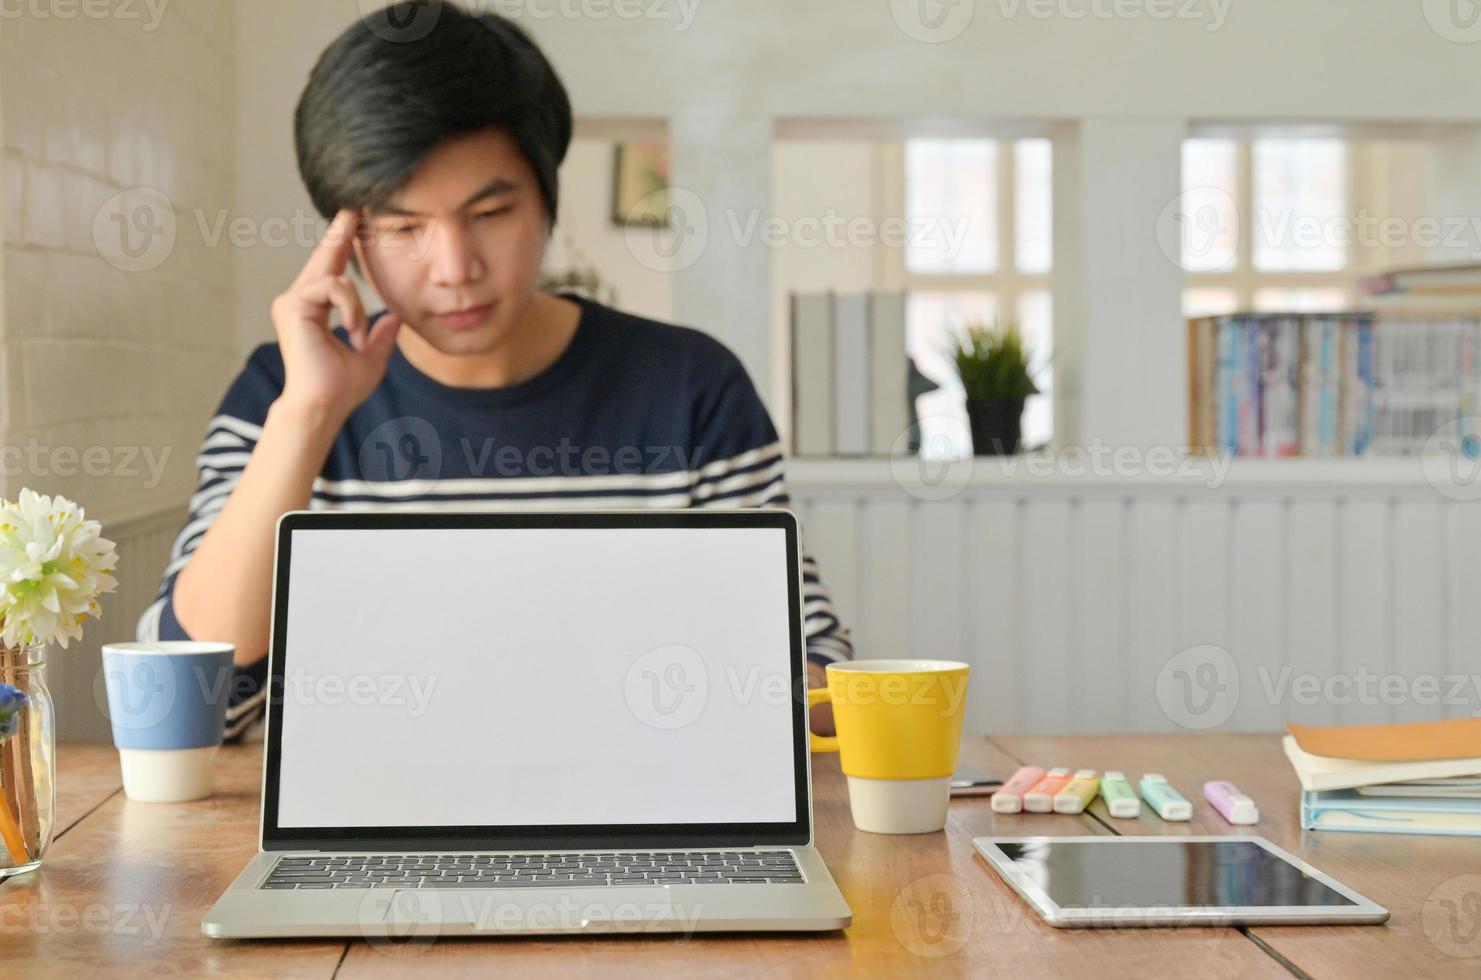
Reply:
x=28 y=765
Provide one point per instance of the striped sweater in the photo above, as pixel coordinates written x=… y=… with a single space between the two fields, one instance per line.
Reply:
x=634 y=413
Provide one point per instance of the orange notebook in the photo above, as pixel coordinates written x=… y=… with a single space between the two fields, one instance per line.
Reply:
x=1415 y=742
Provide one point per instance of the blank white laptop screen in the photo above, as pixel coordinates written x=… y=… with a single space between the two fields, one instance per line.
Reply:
x=523 y=676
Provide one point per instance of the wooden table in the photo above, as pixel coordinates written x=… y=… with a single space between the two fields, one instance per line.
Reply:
x=126 y=884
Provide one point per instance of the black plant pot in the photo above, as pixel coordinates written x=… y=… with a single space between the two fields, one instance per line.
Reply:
x=997 y=425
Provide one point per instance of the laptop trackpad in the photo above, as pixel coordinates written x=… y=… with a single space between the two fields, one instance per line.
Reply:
x=537 y=908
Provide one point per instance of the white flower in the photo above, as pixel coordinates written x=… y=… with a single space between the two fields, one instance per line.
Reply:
x=53 y=566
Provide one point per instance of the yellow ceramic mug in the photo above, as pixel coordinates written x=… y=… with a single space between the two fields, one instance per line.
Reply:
x=899 y=725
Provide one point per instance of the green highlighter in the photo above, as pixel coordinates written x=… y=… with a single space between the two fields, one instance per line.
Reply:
x=1121 y=799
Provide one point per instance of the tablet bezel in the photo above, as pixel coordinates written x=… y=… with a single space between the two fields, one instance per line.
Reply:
x=1364 y=911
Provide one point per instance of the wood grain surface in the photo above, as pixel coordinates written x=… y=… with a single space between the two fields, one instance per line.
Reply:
x=126 y=885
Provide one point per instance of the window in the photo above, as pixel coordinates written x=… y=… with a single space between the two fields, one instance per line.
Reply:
x=981 y=245
x=952 y=198
x=1211 y=214
x=1265 y=225
x=1300 y=203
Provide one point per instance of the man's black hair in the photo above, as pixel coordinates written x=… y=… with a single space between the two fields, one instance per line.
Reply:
x=402 y=80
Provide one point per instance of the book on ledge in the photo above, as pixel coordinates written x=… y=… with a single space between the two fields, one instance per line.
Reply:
x=1431 y=279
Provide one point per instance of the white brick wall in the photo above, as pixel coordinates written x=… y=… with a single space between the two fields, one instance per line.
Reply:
x=92 y=355
x=107 y=376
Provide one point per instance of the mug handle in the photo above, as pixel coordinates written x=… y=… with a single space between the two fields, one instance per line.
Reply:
x=820 y=743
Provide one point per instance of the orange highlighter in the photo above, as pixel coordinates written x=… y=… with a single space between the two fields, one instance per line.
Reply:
x=1009 y=797
x=1040 y=799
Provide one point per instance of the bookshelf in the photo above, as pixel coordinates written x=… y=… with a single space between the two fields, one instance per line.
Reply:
x=1400 y=379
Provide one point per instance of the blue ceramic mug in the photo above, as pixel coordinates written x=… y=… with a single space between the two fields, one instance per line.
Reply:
x=167 y=705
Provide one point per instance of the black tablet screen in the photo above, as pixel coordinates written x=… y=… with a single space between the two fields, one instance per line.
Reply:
x=1171 y=874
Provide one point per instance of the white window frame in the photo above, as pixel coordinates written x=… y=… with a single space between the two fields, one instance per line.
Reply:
x=1243 y=279
x=1007 y=283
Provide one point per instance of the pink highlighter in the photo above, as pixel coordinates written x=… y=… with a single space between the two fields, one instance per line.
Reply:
x=1232 y=805
x=1009 y=799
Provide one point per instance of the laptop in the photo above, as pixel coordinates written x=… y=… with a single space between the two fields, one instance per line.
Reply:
x=529 y=723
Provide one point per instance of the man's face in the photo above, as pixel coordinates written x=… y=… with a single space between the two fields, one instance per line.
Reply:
x=468 y=231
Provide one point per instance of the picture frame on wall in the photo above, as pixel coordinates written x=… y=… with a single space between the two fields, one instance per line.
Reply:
x=640 y=180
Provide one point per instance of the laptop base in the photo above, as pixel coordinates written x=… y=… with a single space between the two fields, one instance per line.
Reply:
x=398 y=915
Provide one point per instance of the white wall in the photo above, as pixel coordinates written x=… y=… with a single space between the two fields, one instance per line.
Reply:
x=1455 y=178
x=114 y=348
x=585 y=223
x=103 y=359
x=722 y=77
x=277 y=42
x=1268 y=59
x=1118 y=94
x=200 y=107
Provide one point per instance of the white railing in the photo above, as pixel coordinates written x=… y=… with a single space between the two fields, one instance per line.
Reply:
x=1342 y=591
x=1319 y=591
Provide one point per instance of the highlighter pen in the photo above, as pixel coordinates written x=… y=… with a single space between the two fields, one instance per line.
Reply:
x=1078 y=793
x=1120 y=798
x=1232 y=805
x=1168 y=802
x=1009 y=799
x=1040 y=799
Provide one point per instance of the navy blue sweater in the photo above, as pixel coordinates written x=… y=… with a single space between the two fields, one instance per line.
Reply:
x=634 y=413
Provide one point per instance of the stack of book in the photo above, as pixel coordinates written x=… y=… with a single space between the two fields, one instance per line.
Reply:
x=1391 y=779
x=1346 y=384
x=850 y=374
x=1444 y=290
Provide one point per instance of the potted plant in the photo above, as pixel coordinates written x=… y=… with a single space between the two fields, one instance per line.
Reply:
x=993 y=363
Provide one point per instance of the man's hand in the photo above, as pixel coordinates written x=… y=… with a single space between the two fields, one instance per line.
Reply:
x=320 y=372
x=820 y=718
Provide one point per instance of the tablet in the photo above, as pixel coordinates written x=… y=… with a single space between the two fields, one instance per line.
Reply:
x=1090 y=882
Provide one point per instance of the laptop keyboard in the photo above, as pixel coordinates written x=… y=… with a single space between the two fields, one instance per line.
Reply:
x=525 y=870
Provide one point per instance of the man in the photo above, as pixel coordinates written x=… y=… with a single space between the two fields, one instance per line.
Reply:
x=437 y=158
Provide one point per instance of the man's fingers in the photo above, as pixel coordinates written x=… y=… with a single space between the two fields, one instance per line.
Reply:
x=339 y=293
x=332 y=253
x=382 y=339
x=346 y=299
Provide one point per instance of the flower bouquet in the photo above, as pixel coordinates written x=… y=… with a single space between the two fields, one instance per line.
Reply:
x=54 y=563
